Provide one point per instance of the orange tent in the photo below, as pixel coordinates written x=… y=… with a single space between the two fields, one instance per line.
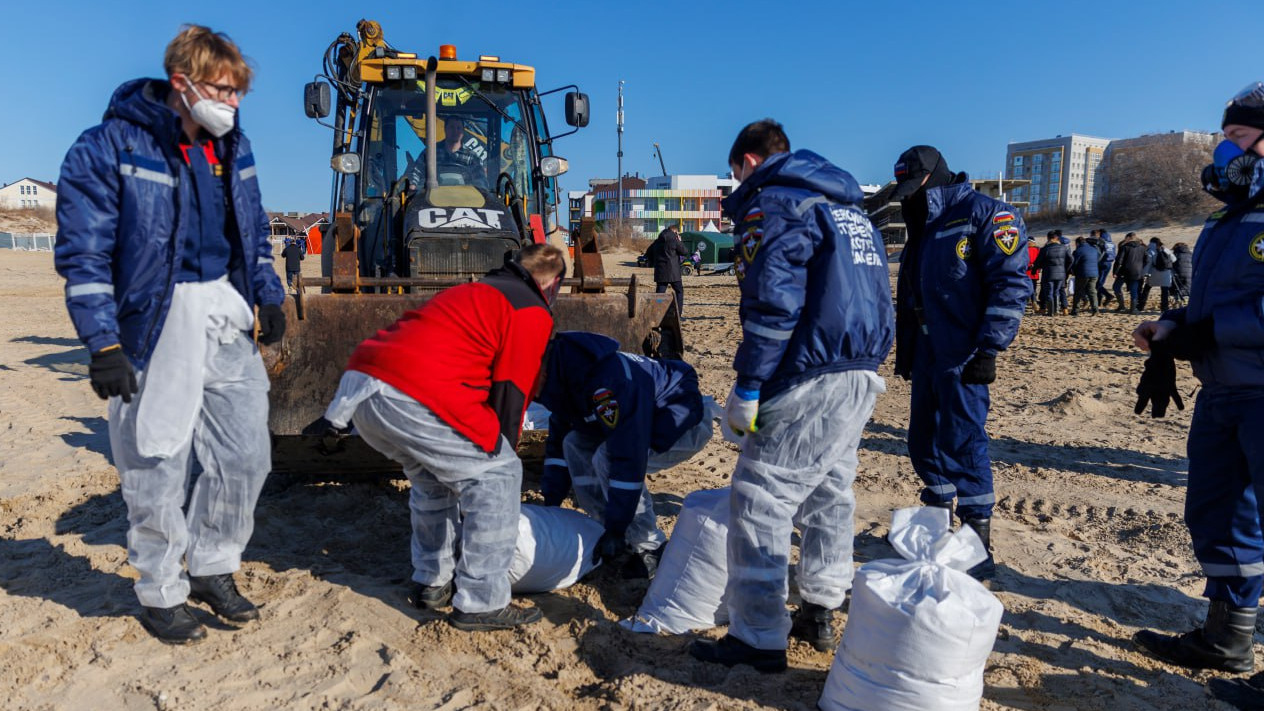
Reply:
x=313 y=239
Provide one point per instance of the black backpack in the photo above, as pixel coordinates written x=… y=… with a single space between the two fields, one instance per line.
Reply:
x=1162 y=261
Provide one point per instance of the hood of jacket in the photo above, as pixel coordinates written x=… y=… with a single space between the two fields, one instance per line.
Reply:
x=801 y=169
x=571 y=355
x=143 y=102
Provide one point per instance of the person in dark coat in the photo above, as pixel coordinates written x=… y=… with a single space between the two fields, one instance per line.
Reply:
x=293 y=255
x=1084 y=266
x=1159 y=261
x=1130 y=265
x=1182 y=272
x=1054 y=262
x=1033 y=251
x=1107 y=246
x=666 y=252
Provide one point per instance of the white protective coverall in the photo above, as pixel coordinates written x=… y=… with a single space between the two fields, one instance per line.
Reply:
x=461 y=497
x=797 y=469
x=204 y=392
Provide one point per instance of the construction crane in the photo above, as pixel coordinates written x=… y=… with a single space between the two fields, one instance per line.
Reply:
x=659 y=152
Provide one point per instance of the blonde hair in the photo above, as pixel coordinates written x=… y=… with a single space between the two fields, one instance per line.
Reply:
x=542 y=261
x=203 y=55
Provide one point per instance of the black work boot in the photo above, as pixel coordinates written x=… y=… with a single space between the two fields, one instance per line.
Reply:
x=1224 y=642
x=219 y=592
x=1244 y=694
x=431 y=597
x=987 y=569
x=641 y=565
x=173 y=625
x=813 y=624
x=731 y=651
x=506 y=618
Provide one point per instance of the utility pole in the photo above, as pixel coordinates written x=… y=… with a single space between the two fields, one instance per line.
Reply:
x=619 y=119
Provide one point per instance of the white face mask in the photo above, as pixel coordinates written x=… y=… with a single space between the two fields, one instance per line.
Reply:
x=215 y=116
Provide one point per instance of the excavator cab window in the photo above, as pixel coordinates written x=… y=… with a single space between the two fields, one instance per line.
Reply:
x=481 y=141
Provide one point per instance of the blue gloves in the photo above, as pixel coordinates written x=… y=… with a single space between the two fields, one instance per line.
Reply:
x=741 y=410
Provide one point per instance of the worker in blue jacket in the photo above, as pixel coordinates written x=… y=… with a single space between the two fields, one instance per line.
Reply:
x=1221 y=333
x=613 y=417
x=960 y=296
x=166 y=252
x=1104 y=295
x=816 y=322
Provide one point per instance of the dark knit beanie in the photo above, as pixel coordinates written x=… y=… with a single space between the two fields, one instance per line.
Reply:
x=1243 y=116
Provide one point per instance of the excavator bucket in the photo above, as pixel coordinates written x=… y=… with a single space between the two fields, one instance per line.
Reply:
x=324 y=329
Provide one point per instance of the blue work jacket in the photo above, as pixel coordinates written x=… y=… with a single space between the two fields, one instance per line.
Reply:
x=121 y=229
x=815 y=289
x=632 y=403
x=964 y=284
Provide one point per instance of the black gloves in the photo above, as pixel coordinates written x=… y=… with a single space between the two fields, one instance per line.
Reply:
x=111 y=374
x=1188 y=341
x=608 y=548
x=980 y=370
x=1158 y=383
x=324 y=428
x=554 y=484
x=332 y=439
x=271 y=324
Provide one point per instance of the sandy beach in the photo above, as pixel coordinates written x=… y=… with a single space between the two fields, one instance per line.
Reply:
x=1088 y=534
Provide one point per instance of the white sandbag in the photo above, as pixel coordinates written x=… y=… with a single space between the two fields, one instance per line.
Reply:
x=687 y=592
x=554 y=548
x=919 y=631
x=536 y=418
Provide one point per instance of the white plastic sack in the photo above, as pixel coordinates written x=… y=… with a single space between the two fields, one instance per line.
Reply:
x=554 y=548
x=687 y=592
x=536 y=417
x=919 y=631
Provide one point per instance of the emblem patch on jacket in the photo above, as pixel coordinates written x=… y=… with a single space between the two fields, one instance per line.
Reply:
x=963 y=248
x=1257 y=247
x=750 y=243
x=606 y=407
x=1007 y=237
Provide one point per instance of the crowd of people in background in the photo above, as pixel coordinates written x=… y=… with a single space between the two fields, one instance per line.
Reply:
x=1070 y=276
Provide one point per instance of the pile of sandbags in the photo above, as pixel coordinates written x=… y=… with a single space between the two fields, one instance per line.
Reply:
x=687 y=592
x=555 y=547
x=920 y=629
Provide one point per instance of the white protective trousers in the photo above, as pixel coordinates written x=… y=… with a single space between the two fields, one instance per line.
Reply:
x=461 y=498
x=796 y=470
x=208 y=528
x=589 y=465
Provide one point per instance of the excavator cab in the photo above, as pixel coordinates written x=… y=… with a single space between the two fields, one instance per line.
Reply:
x=443 y=168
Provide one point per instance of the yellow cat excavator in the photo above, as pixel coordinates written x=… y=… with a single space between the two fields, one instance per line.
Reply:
x=442 y=166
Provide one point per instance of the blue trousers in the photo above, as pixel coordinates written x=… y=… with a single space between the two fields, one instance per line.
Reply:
x=946 y=437
x=1053 y=294
x=1222 y=500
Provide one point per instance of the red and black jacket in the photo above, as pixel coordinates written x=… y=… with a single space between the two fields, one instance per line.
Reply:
x=471 y=354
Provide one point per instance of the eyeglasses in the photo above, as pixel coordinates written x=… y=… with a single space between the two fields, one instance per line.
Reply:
x=1252 y=96
x=220 y=92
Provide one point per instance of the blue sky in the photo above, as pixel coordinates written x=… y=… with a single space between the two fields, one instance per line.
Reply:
x=856 y=82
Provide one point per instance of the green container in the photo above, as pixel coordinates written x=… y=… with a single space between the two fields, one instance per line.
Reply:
x=715 y=248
